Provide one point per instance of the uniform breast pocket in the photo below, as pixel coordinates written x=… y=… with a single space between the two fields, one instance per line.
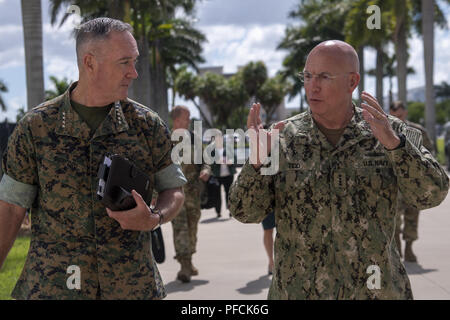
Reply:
x=375 y=186
x=60 y=179
x=296 y=179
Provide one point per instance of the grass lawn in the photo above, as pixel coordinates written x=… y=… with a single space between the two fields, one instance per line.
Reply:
x=12 y=267
x=440 y=151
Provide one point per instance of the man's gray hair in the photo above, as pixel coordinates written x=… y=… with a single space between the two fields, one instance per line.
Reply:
x=98 y=29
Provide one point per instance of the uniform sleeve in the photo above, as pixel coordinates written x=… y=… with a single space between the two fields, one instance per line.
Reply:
x=251 y=196
x=427 y=143
x=168 y=175
x=19 y=183
x=423 y=181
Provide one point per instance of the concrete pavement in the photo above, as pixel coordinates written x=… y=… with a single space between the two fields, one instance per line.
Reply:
x=232 y=261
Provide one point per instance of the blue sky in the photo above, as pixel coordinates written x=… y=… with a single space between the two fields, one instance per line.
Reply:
x=238 y=31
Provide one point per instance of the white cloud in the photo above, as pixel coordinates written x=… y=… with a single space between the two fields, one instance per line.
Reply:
x=13 y=104
x=12 y=57
x=60 y=67
x=232 y=46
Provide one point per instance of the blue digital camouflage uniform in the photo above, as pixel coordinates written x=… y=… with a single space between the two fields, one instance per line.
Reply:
x=335 y=208
x=53 y=159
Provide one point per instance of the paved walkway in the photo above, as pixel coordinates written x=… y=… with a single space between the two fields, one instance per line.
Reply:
x=233 y=265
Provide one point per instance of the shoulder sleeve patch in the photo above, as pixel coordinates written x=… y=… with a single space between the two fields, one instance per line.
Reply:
x=414 y=136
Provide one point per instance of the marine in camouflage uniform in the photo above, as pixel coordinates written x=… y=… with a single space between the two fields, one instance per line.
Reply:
x=409 y=213
x=185 y=224
x=53 y=150
x=335 y=204
x=51 y=166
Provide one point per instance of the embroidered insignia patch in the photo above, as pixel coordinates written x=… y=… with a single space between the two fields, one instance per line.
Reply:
x=414 y=136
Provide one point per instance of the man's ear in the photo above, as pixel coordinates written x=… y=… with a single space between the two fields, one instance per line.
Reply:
x=354 y=81
x=89 y=62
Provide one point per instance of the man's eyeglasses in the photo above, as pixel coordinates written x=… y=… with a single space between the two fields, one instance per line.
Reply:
x=306 y=76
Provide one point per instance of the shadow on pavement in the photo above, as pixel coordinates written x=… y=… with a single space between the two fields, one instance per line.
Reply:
x=177 y=286
x=415 y=268
x=215 y=219
x=256 y=286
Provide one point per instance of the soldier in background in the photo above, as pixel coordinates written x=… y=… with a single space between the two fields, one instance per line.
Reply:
x=409 y=213
x=334 y=195
x=185 y=225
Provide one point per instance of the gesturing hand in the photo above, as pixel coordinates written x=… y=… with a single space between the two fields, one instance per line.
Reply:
x=254 y=122
x=139 y=218
x=378 y=122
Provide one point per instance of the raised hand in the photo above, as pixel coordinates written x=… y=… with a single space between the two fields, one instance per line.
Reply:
x=378 y=122
x=254 y=122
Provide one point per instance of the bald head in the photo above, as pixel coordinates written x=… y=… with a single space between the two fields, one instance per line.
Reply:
x=338 y=51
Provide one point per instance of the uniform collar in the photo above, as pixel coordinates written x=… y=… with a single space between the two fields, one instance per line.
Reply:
x=72 y=125
x=357 y=129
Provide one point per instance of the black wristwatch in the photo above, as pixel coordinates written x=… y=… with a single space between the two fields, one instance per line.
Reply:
x=158 y=212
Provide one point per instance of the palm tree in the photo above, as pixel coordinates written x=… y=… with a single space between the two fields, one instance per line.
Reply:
x=3 y=88
x=60 y=87
x=401 y=46
x=361 y=37
x=160 y=37
x=32 y=31
x=322 y=21
x=428 y=52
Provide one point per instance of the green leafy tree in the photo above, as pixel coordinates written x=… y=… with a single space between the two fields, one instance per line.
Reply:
x=186 y=84
x=222 y=96
x=271 y=94
x=443 y=111
x=416 y=112
x=442 y=90
x=60 y=86
x=254 y=75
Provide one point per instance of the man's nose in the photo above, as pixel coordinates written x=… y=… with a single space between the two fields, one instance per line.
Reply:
x=315 y=83
x=133 y=74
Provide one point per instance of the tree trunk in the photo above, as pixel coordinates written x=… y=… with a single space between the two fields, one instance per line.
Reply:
x=140 y=90
x=32 y=35
x=158 y=84
x=361 y=71
x=391 y=98
x=301 y=100
x=428 y=51
x=379 y=76
x=401 y=50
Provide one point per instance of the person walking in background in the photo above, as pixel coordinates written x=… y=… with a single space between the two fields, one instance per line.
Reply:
x=185 y=225
x=223 y=170
x=409 y=213
x=268 y=225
